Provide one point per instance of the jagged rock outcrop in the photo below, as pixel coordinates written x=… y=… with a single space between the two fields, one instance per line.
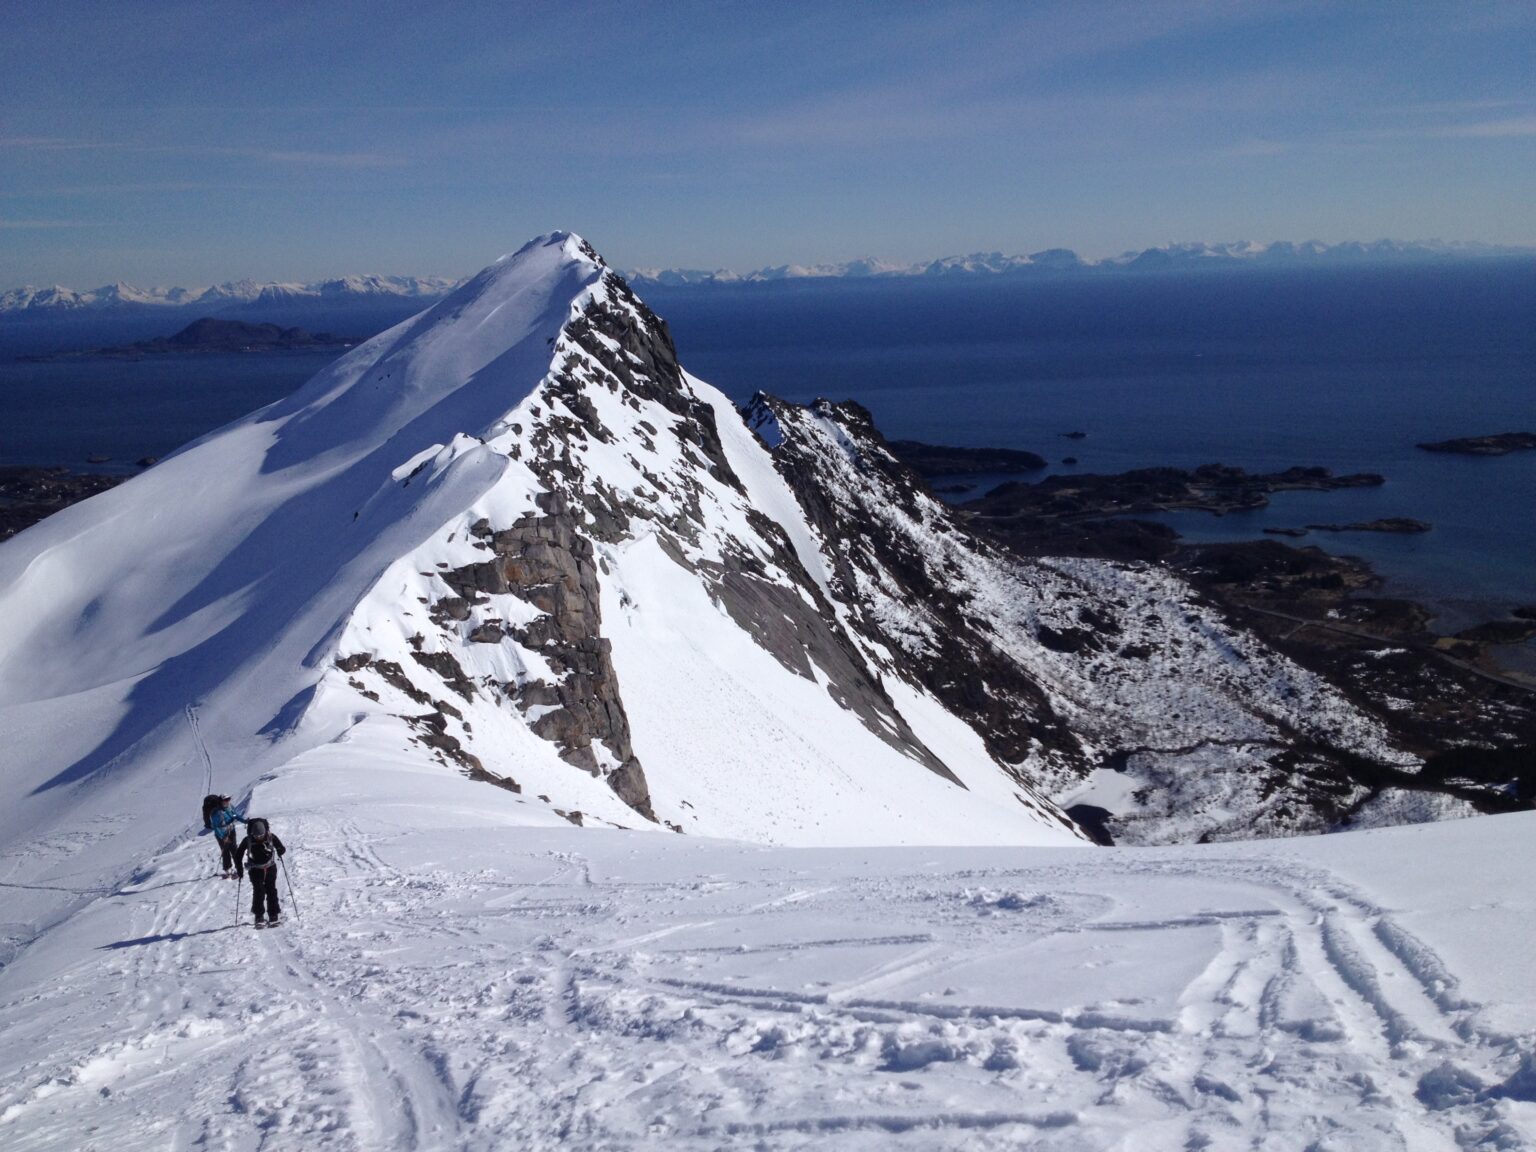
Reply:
x=513 y=538
x=545 y=561
x=621 y=472
x=1069 y=666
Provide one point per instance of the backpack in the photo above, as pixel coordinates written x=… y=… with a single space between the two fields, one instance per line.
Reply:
x=211 y=804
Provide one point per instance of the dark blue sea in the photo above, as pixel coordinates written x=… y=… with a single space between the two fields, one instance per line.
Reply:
x=1346 y=368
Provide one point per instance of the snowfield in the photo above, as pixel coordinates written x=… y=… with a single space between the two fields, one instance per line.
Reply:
x=462 y=978
x=506 y=569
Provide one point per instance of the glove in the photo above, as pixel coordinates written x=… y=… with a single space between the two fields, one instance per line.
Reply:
x=239 y=873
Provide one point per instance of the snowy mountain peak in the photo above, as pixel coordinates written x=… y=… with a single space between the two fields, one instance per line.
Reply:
x=510 y=539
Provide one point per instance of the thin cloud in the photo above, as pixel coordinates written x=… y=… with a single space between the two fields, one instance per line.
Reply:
x=1489 y=129
x=157 y=187
x=1258 y=148
x=27 y=224
x=271 y=155
x=44 y=143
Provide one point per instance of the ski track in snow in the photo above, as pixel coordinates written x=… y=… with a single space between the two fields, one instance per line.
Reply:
x=483 y=989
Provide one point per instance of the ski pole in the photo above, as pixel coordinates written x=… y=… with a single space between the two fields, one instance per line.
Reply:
x=238 y=880
x=292 y=899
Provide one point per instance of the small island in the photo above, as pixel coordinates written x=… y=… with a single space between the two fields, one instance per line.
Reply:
x=1500 y=445
x=932 y=460
x=1401 y=525
x=208 y=335
x=1214 y=488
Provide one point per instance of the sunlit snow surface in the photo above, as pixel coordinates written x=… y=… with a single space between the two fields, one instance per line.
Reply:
x=472 y=972
x=457 y=982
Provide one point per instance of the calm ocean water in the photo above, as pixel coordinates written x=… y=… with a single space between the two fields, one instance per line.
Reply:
x=1348 y=369
x=1343 y=368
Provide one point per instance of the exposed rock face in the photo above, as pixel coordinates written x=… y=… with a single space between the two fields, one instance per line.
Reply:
x=958 y=665
x=620 y=345
x=545 y=561
x=615 y=389
x=1070 y=665
x=827 y=555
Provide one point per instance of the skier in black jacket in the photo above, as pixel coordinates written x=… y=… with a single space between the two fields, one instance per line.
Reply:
x=264 y=848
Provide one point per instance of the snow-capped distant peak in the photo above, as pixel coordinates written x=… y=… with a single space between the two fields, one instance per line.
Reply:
x=365 y=287
x=1173 y=255
x=1055 y=260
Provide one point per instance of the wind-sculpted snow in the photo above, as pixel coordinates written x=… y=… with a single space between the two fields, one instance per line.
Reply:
x=1070 y=664
x=457 y=979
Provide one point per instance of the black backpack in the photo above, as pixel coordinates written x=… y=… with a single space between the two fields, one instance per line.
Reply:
x=211 y=804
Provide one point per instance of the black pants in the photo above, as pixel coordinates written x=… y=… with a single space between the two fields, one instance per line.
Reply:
x=264 y=887
x=227 y=849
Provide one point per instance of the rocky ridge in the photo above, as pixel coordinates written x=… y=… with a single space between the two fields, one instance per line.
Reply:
x=543 y=555
x=1072 y=665
x=616 y=446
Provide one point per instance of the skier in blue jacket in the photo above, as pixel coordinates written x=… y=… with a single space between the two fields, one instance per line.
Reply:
x=223 y=820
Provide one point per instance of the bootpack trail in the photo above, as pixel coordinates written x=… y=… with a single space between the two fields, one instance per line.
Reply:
x=462 y=985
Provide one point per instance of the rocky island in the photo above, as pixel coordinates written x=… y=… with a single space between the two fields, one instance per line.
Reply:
x=1500 y=445
x=934 y=460
x=1396 y=525
x=1085 y=514
x=1321 y=610
x=210 y=335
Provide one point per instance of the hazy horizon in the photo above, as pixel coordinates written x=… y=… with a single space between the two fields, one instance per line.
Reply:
x=1470 y=247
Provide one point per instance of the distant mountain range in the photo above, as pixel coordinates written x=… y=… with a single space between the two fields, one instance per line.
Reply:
x=363 y=289
x=234 y=292
x=1188 y=255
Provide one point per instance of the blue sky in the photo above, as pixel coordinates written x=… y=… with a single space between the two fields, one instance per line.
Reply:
x=185 y=143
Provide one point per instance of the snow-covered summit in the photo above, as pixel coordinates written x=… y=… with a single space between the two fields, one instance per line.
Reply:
x=510 y=534
x=507 y=566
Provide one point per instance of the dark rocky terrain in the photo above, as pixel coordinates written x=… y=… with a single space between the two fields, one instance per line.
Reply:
x=1442 y=698
x=1447 y=698
x=29 y=494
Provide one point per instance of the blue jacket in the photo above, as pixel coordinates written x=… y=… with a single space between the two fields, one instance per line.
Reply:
x=223 y=821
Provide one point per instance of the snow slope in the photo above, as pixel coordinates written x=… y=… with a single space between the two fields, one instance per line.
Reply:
x=510 y=520
x=459 y=979
x=1067 y=665
x=506 y=568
